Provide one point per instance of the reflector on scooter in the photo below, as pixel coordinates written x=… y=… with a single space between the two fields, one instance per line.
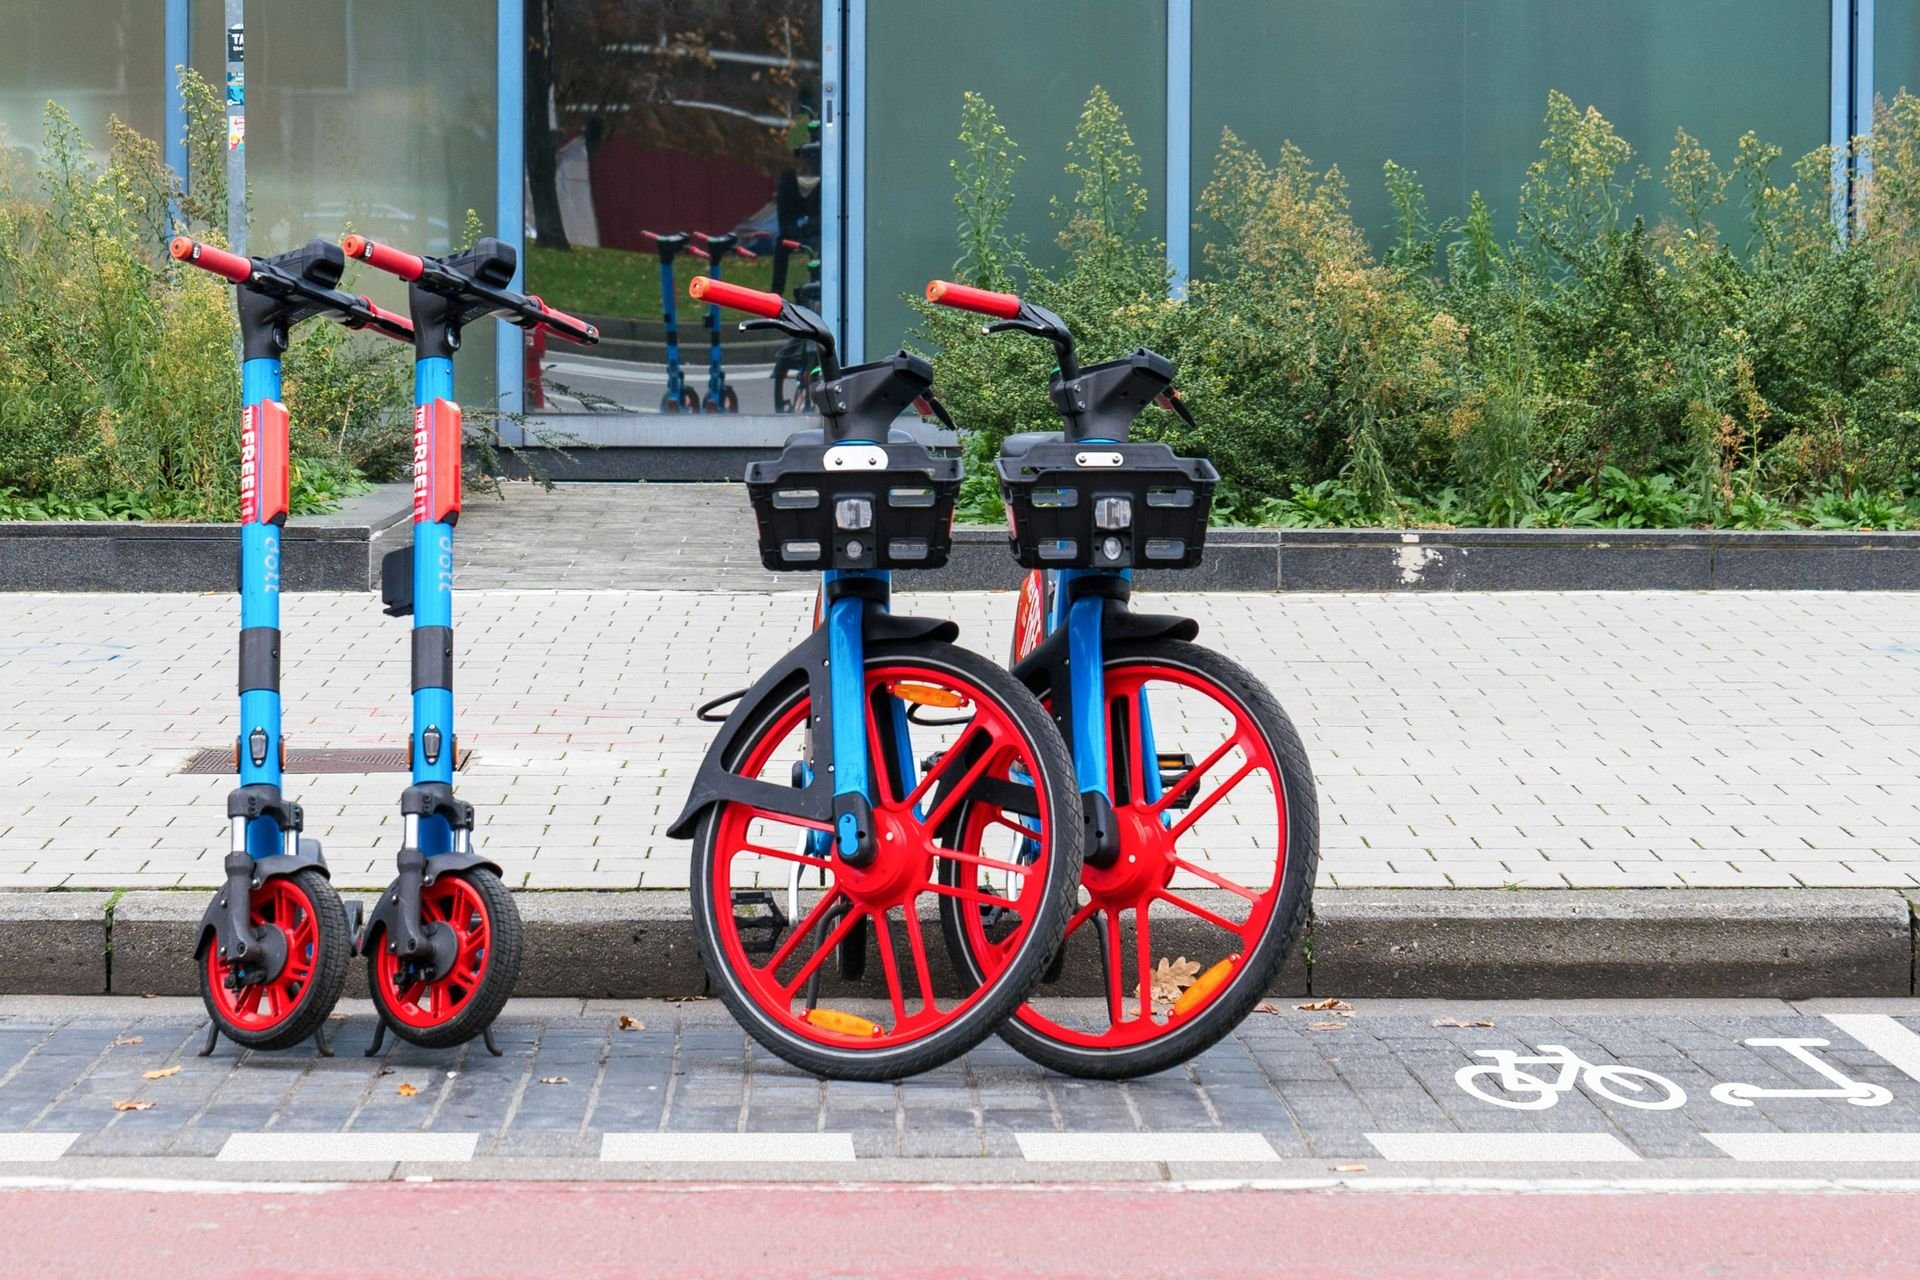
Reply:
x=926 y=695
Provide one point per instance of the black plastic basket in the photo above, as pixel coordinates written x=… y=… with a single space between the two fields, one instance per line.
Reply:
x=1106 y=506
x=906 y=522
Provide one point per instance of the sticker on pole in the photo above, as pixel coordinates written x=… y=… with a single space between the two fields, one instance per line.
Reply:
x=265 y=479
x=437 y=440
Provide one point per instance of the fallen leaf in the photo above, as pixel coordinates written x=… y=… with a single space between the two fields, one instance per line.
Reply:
x=1455 y=1022
x=128 y=1104
x=630 y=1023
x=1266 y=1006
x=1332 y=1004
x=1326 y=1026
x=126 y=1040
x=555 y=1080
x=683 y=999
x=1349 y=1168
x=1170 y=978
x=162 y=1073
x=405 y=1090
x=149 y=995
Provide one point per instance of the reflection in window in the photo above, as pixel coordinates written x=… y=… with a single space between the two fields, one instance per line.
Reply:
x=667 y=139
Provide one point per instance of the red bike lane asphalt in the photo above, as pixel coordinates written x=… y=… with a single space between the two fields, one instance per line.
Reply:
x=905 y=1232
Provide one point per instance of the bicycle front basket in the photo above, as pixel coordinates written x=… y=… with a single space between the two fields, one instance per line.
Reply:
x=851 y=506
x=1136 y=505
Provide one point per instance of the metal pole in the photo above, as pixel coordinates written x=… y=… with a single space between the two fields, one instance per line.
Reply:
x=237 y=125
x=1180 y=142
x=178 y=54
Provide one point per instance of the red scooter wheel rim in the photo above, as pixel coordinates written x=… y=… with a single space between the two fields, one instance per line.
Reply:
x=263 y=1007
x=1148 y=863
x=900 y=876
x=451 y=901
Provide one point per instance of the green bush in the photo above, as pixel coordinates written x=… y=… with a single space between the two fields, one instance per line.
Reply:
x=119 y=386
x=1740 y=363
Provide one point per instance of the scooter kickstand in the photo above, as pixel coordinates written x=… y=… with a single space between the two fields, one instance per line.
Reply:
x=486 y=1038
x=213 y=1038
x=379 y=1038
x=321 y=1042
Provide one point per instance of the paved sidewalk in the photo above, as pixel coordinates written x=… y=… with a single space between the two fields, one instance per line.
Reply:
x=1532 y=740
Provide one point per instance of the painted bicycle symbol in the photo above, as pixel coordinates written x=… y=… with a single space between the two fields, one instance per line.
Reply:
x=1858 y=1092
x=1528 y=1091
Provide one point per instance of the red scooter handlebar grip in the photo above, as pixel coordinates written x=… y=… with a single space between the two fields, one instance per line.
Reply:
x=392 y=320
x=383 y=257
x=207 y=258
x=565 y=325
x=720 y=293
x=968 y=298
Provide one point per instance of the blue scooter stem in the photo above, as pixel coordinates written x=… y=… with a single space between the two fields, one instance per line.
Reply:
x=433 y=738
x=260 y=608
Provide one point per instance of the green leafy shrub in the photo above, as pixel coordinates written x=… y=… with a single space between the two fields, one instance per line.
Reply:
x=1740 y=362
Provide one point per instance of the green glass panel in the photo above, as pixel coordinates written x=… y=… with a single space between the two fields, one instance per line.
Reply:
x=97 y=58
x=1457 y=89
x=1896 y=47
x=1036 y=63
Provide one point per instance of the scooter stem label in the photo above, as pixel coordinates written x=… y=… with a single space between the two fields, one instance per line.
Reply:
x=437 y=440
x=265 y=483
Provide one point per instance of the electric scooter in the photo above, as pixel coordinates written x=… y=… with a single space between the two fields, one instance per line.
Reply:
x=443 y=947
x=679 y=396
x=1087 y=506
x=853 y=757
x=274 y=945
x=720 y=397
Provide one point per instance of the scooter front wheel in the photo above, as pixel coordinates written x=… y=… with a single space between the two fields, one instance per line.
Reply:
x=990 y=747
x=294 y=1003
x=1219 y=834
x=440 y=1010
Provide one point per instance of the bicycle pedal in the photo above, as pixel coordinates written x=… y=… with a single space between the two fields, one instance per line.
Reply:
x=771 y=924
x=1174 y=768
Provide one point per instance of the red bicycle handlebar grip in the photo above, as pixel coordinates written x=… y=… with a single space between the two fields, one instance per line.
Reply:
x=207 y=258
x=560 y=322
x=383 y=257
x=391 y=318
x=722 y=294
x=968 y=298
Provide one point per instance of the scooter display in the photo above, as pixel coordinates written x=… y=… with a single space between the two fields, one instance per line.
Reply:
x=878 y=758
x=679 y=396
x=720 y=397
x=274 y=945
x=443 y=945
x=1176 y=748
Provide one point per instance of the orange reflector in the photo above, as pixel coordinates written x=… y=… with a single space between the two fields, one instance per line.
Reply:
x=845 y=1024
x=1205 y=985
x=927 y=695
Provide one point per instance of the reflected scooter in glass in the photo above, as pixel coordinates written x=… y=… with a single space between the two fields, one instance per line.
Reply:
x=274 y=945
x=679 y=396
x=443 y=945
x=796 y=356
x=1202 y=824
x=851 y=759
x=720 y=397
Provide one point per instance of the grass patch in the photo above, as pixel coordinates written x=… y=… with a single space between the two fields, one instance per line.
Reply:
x=619 y=282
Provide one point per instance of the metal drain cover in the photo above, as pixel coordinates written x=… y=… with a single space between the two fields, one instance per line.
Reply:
x=219 y=760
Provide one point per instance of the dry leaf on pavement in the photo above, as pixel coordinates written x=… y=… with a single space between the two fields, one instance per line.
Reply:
x=682 y=999
x=1455 y=1022
x=127 y=1104
x=405 y=1090
x=1349 y=1168
x=1326 y=1026
x=162 y=1073
x=126 y=1040
x=1170 y=978
x=1332 y=1004
x=555 y=1080
x=631 y=1023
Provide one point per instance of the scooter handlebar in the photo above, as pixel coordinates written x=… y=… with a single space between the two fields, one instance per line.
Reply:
x=967 y=298
x=574 y=330
x=722 y=294
x=391 y=323
x=383 y=257
x=228 y=265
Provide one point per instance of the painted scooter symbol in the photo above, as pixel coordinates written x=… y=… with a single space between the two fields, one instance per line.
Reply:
x=1858 y=1092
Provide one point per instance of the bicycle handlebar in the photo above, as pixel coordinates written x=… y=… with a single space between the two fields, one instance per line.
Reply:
x=384 y=257
x=204 y=256
x=562 y=323
x=721 y=293
x=391 y=323
x=967 y=298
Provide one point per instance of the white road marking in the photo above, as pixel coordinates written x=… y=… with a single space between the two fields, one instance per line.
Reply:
x=728 y=1148
x=23 y=1148
x=1884 y=1036
x=1156 y=1147
x=322 y=1148
x=1501 y=1147
x=1806 y=1148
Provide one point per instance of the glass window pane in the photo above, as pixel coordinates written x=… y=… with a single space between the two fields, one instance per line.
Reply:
x=1896 y=48
x=97 y=58
x=1036 y=64
x=1457 y=89
x=691 y=117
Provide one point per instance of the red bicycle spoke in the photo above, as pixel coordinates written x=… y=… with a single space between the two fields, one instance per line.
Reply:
x=1136 y=740
x=799 y=932
x=890 y=964
x=785 y=855
x=917 y=945
x=1195 y=909
x=964 y=894
x=825 y=949
x=1143 y=948
x=1115 y=963
x=959 y=790
x=1214 y=878
x=945 y=762
x=981 y=860
x=1214 y=797
x=1193 y=775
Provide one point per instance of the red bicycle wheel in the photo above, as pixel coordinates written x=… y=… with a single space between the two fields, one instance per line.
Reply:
x=288 y=1008
x=449 y=1008
x=992 y=748
x=1216 y=864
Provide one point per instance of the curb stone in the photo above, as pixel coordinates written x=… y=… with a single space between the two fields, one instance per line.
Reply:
x=1647 y=943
